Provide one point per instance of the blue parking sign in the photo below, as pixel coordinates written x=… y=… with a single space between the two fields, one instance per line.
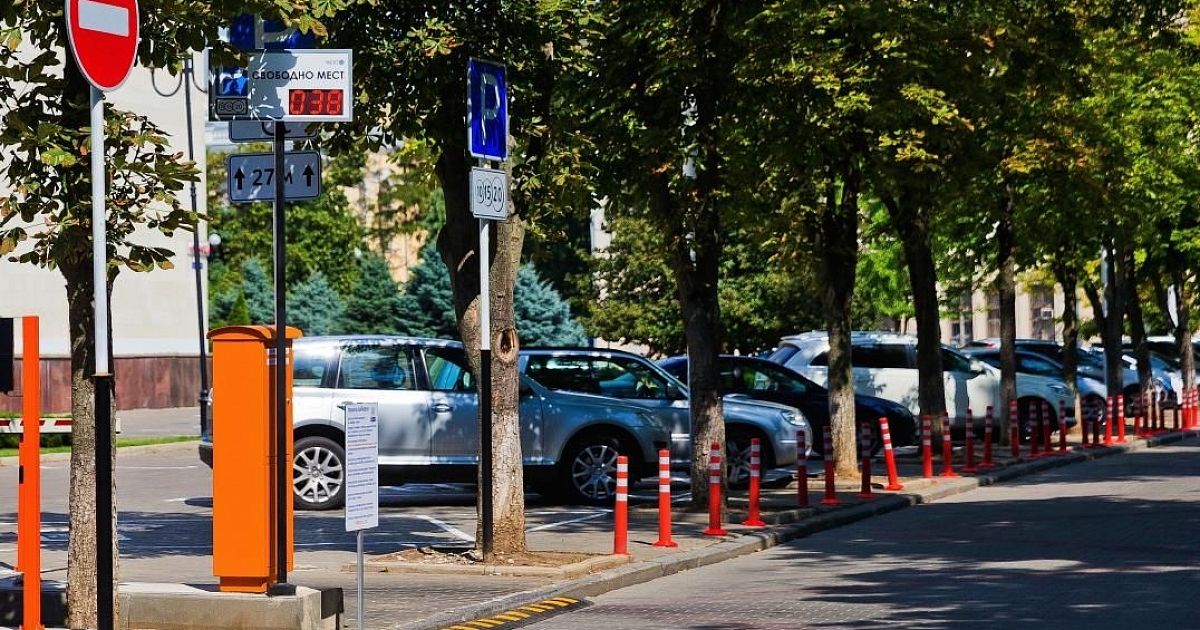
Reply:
x=487 y=110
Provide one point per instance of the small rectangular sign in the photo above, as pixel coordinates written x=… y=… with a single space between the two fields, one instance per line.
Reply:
x=489 y=193
x=263 y=131
x=252 y=176
x=293 y=85
x=362 y=466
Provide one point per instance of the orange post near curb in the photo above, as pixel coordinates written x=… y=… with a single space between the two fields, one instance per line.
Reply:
x=664 y=500
x=29 y=500
x=244 y=508
x=1109 y=420
x=889 y=456
x=714 y=492
x=1120 y=418
x=1047 y=429
x=801 y=469
x=969 y=430
x=1014 y=429
x=1062 y=428
x=754 y=519
x=621 y=509
x=827 y=457
x=987 y=441
x=864 y=443
x=947 y=449
x=926 y=447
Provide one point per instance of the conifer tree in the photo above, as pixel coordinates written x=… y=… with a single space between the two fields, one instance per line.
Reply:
x=543 y=317
x=373 y=304
x=315 y=307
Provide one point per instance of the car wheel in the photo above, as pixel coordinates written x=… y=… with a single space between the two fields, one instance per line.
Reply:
x=318 y=473
x=737 y=457
x=589 y=470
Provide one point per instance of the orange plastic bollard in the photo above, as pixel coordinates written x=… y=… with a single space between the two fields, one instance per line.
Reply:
x=664 y=500
x=1047 y=429
x=1120 y=418
x=1014 y=429
x=947 y=449
x=1035 y=431
x=754 y=519
x=1062 y=428
x=926 y=447
x=987 y=441
x=830 y=482
x=889 y=456
x=969 y=429
x=801 y=469
x=714 y=492
x=621 y=509
x=29 y=499
x=1109 y=419
x=864 y=444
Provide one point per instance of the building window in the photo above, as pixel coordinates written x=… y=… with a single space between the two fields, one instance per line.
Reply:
x=1041 y=304
x=993 y=312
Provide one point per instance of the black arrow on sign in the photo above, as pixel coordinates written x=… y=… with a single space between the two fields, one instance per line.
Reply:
x=308 y=173
x=240 y=177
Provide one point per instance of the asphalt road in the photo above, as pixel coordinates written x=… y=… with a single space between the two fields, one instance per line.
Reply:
x=1108 y=544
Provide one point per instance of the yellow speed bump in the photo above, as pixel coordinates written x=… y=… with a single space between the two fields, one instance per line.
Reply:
x=532 y=612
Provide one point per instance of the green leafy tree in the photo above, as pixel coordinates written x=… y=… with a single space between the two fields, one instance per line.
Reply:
x=543 y=318
x=427 y=302
x=44 y=143
x=373 y=305
x=314 y=307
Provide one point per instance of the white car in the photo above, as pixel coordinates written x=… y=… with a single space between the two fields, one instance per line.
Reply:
x=885 y=365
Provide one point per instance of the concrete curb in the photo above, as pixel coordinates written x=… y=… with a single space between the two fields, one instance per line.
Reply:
x=564 y=572
x=745 y=543
x=57 y=457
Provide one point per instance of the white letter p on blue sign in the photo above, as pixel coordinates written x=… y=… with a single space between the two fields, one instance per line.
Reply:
x=487 y=110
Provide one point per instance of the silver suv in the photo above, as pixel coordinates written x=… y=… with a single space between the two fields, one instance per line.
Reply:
x=428 y=429
x=636 y=380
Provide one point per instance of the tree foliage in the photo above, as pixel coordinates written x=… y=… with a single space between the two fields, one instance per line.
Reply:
x=315 y=307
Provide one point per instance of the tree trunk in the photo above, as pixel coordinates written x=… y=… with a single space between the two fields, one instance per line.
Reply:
x=1183 y=327
x=1137 y=324
x=1068 y=278
x=81 y=540
x=837 y=245
x=1114 y=293
x=1007 y=281
x=912 y=226
x=458 y=243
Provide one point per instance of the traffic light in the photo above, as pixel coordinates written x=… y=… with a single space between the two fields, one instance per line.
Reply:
x=7 y=354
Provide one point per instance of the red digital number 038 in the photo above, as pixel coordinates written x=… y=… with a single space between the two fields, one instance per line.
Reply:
x=315 y=102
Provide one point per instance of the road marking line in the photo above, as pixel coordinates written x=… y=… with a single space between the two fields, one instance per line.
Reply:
x=448 y=527
x=581 y=519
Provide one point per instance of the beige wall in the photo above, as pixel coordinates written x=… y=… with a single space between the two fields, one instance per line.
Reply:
x=977 y=314
x=154 y=314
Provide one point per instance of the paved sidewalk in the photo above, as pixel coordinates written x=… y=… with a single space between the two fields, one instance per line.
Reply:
x=160 y=422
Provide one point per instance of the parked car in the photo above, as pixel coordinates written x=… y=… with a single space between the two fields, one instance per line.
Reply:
x=763 y=380
x=1091 y=392
x=885 y=365
x=428 y=422
x=637 y=380
x=1090 y=363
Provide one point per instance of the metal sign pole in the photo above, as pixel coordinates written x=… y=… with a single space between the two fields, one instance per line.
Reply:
x=282 y=430
x=103 y=376
x=361 y=597
x=485 y=386
x=197 y=266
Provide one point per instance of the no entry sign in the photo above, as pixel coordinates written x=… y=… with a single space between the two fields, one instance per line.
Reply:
x=104 y=38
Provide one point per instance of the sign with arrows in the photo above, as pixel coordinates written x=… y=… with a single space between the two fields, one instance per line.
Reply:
x=252 y=176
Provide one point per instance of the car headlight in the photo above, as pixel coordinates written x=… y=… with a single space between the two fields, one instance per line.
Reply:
x=1061 y=390
x=793 y=418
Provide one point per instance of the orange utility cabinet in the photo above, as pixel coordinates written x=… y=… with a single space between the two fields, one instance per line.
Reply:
x=244 y=457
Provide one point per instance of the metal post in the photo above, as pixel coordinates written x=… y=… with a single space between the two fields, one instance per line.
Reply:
x=282 y=430
x=361 y=597
x=485 y=387
x=102 y=382
x=197 y=265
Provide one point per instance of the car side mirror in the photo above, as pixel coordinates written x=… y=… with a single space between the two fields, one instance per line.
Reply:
x=674 y=393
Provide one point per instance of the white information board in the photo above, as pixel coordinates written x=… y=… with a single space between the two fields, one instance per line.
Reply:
x=362 y=466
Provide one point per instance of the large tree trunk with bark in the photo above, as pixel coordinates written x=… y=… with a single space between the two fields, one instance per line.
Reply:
x=1137 y=324
x=1068 y=278
x=837 y=245
x=1183 y=326
x=458 y=244
x=81 y=541
x=1114 y=295
x=912 y=226
x=1007 y=284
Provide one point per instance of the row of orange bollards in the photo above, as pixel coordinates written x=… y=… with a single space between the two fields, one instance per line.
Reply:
x=1148 y=419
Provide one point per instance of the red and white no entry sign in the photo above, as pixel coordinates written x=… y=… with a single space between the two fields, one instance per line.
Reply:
x=104 y=38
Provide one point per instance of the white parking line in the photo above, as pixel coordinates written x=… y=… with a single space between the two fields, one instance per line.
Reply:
x=448 y=527
x=581 y=519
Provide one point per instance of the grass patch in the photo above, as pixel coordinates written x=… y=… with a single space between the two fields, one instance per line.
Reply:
x=17 y=414
x=58 y=443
